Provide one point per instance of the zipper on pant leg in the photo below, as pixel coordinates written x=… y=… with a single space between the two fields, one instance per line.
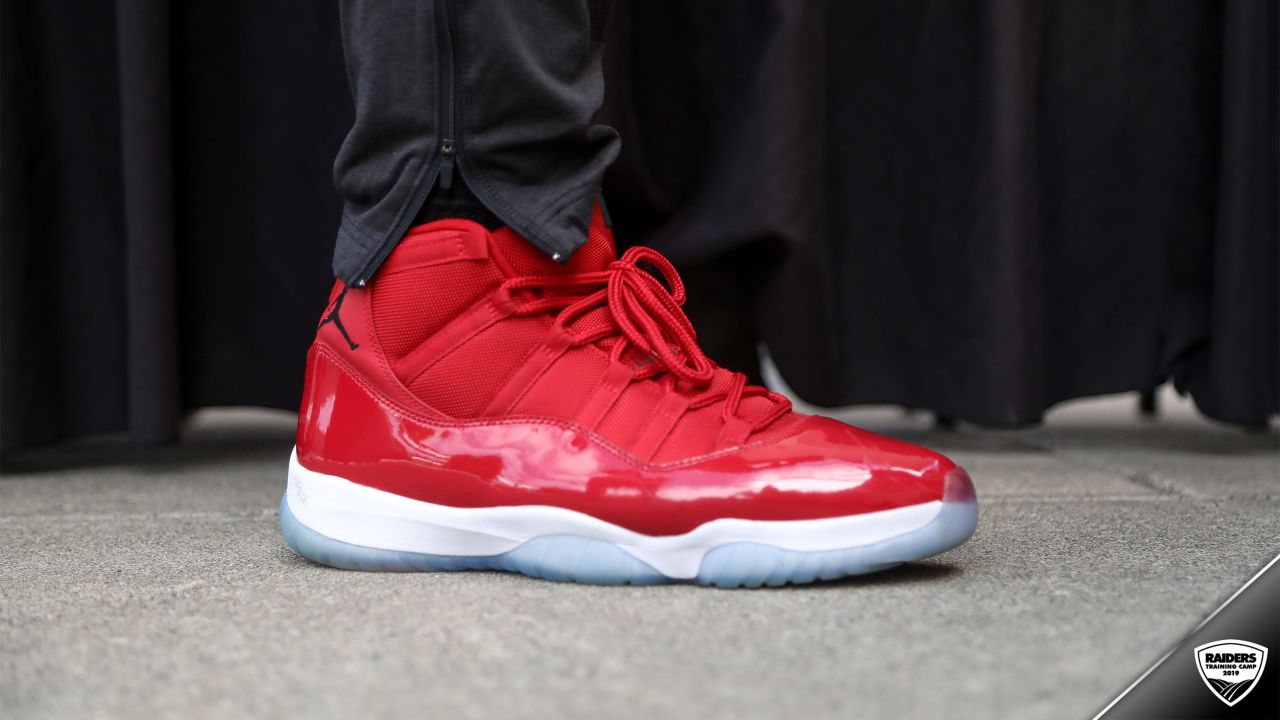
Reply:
x=443 y=171
x=371 y=267
x=448 y=148
x=452 y=159
x=446 y=163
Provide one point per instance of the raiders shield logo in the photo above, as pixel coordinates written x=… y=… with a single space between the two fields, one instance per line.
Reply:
x=1230 y=667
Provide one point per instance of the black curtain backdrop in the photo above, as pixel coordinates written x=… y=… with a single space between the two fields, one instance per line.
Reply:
x=980 y=208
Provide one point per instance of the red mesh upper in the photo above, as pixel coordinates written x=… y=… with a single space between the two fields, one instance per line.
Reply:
x=564 y=388
x=412 y=302
x=697 y=431
x=627 y=418
x=423 y=287
x=463 y=382
x=694 y=434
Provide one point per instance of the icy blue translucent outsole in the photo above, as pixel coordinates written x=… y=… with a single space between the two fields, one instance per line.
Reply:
x=571 y=558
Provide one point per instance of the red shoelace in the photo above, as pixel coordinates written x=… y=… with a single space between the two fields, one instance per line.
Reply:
x=646 y=317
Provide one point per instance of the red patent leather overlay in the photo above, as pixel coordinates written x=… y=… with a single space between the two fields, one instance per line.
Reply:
x=823 y=469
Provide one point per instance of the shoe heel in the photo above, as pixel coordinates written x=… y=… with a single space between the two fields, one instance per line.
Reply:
x=325 y=550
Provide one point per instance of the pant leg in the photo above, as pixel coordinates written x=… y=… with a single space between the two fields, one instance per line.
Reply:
x=495 y=94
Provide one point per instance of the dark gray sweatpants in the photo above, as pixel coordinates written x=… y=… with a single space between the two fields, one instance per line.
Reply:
x=497 y=94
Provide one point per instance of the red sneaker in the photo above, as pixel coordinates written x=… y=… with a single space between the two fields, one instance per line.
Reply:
x=480 y=406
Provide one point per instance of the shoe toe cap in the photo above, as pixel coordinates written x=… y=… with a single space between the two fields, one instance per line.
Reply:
x=886 y=472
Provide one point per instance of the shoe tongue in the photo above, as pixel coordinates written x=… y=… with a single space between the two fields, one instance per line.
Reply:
x=526 y=259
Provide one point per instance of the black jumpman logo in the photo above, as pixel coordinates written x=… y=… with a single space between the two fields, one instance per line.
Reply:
x=332 y=317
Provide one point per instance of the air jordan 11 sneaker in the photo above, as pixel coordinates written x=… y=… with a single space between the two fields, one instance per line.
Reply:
x=480 y=406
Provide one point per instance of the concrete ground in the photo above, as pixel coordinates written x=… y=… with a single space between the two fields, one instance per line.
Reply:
x=144 y=583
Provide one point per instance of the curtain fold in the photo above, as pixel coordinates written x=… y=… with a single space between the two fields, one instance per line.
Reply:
x=151 y=346
x=1013 y=203
x=1246 y=260
x=980 y=208
x=63 y=330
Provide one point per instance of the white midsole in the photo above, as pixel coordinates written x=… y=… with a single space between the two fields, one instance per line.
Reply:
x=361 y=515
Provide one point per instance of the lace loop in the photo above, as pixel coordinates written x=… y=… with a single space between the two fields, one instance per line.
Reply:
x=651 y=317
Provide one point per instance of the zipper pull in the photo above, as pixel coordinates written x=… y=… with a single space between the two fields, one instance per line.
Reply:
x=446 y=163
